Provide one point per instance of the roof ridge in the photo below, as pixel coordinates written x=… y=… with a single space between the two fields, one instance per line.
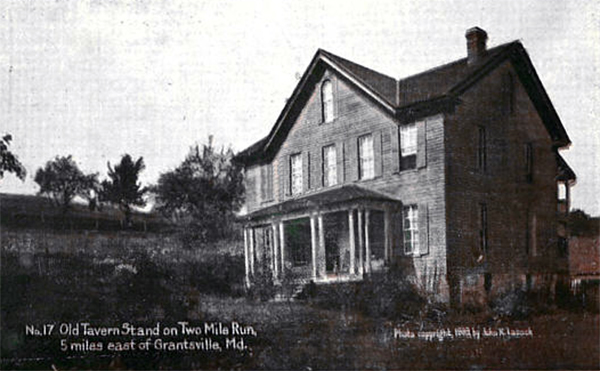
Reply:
x=457 y=61
x=330 y=54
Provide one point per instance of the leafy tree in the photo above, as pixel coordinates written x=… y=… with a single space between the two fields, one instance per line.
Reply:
x=202 y=193
x=8 y=161
x=61 y=181
x=122 y=187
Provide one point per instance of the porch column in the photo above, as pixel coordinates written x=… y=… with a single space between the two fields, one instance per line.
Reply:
x=361 y=242
x=282 y=247
x=251 y=237
x=313 y=245
x=352 y=241
x=322 y=267
x=275 y=252
x=367 y=245
x=246 y=259
x=387 y=237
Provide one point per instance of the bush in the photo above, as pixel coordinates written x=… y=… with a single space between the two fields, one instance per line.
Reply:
x=381 y=295
x=262 y=288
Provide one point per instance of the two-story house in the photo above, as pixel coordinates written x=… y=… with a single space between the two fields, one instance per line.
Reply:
x=452 y=171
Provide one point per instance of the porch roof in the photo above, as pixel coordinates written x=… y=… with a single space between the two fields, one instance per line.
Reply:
x=329 y=197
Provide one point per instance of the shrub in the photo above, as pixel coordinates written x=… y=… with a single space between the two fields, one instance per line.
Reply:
x=387 y=294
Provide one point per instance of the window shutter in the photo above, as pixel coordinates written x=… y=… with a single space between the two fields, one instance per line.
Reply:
x=263 y=182
x=398 y=233
x=421 y=144
x=305 y=171
x=339 y=148
x=377 y=158
x=352 y=159
x=287 y=176
x=316 y=166
x=395 y=150
x=423 y=229
x=269 y=181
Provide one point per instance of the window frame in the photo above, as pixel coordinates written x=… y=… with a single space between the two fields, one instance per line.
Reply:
x=366 y=163
x=294 y=184
x=409 y=146
x=327 y=102
x=266 y=179
x=483 y=229
x=329 y=165
x=410 y=229
x=481 y=149
x=529 y=162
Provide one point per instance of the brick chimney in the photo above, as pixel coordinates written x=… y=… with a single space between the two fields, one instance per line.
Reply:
x=476 y=40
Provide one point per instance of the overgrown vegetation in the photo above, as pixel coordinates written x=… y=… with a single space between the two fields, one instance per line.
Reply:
x=108 y=278
x=202 y=194
x=61 y=181
x=122 y=187
x=9 y=162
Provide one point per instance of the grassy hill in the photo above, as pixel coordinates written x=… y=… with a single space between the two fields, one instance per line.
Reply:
x=28 y=211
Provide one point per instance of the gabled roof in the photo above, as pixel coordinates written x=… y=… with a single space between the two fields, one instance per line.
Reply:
x=331 y=196
x=437 y=89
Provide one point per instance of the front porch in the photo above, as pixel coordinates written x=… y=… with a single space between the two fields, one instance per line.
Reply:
x=334 y=236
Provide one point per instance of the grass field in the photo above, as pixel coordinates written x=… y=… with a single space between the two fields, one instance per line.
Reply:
x=110 y=278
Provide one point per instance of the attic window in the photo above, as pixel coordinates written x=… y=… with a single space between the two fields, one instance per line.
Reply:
x=327 y=101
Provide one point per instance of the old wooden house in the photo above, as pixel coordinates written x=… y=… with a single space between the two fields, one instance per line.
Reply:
x=453 y=172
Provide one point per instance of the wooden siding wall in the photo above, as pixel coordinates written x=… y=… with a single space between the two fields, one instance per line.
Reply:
x=503 y=187
x=355 y=115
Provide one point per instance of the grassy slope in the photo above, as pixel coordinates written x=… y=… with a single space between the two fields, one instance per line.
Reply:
x=28 y=211
x=111 y=278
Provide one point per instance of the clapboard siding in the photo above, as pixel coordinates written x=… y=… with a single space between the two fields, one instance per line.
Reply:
x=510 y=199
x=355 y=115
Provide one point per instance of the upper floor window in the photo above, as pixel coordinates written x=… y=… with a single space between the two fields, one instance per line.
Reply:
x=266 y=182
x=296 y=173
x=528 y=162
x=366 y=161
x=408 y=146
x=481 y=150
x=327 y=101
x=562 y=191
x=329 y=166
x=410 y=227
x=483 y=229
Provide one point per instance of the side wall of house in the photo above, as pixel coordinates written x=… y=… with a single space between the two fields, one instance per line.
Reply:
x=521 y=243
x=356 y=115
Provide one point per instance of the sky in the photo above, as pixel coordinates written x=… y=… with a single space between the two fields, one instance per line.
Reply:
x=96 y=79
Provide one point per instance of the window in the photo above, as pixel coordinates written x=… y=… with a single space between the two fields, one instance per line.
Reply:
x=408 y=146
x=327 y=101
x=366 y=162
x=266 y=182
x=562 y=191
x=329 y=166
x=296 y=174
x=410 y=216
x=481 y=150
x=528 y=162
x=483 y=232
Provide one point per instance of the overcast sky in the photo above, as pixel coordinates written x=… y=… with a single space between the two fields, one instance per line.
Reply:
x=100 y=78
